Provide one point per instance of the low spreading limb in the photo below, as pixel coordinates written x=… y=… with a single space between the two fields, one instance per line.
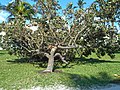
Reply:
x=61 y=57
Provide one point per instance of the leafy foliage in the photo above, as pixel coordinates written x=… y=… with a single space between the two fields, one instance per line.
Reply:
x=19 y=8
x=81 y=32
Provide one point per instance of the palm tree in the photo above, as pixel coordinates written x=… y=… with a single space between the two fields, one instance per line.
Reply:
x=20 y=8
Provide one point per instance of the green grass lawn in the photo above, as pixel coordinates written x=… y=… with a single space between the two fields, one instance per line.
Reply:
x=85 y=73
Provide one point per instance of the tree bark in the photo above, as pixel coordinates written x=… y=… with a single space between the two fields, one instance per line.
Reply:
x=50 y=60
x=62 y=58
x=50 y=64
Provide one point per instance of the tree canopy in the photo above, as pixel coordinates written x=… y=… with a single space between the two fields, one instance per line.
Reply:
x=77 y=30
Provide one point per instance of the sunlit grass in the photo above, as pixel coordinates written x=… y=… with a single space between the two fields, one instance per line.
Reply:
x=85 y=73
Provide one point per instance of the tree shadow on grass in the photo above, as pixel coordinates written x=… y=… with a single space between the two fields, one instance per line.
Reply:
x=89 y=82
x=35 y=62
x=38 y=62
x=2 y=53
x=58 y=63
x=93 y=61
x=84 y=60
x=21 y=60
x=118 y=52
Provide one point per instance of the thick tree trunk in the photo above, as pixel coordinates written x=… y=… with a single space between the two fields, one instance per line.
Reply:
x=50 y=64
x=50 y=60
x=51 y=57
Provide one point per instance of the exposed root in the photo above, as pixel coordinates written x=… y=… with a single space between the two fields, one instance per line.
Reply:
x=47 y=71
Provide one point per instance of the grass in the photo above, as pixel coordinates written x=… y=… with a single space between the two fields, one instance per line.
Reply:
x=86 y=72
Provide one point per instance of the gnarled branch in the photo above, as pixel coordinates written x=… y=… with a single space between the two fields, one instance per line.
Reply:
x=61 y=57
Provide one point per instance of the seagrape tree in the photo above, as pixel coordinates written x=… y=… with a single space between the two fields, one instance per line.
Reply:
x=65 y=33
